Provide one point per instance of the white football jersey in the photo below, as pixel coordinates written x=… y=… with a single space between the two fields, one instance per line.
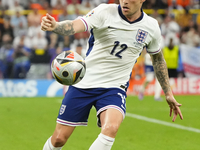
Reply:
x=114 y=46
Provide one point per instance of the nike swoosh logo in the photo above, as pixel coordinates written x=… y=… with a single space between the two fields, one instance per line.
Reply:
x=112 y=27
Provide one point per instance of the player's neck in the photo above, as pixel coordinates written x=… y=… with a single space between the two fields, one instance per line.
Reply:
x=134 y=16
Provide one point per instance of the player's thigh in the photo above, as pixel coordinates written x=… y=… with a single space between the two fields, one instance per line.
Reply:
x=111 y=116
x=110 y=121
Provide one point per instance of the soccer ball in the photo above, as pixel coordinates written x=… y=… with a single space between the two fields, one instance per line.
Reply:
x=68 y=68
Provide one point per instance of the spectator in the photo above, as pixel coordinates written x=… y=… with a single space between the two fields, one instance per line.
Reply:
x=160 y=4
x=39 y=42
x=171 y=55
x=4 y=15
x=147 y=5
x=173 y=4
x=86 y=6
x=1 y=6
x=6 y=29
x=72 y=5
x=195 y=4
x=167 y=38
x=8 y=4
x=33 y=31
x=57 y=4
x=21 y=60
x=191 y=37
x=16 y=6
x=25 y=4
x=169 y=25
x=65 y=15
x=26 y=40
x=45 y=4
x=76 y=13
x=178 y=4
x=40 y=52
x=32 y=5
x=19 y=23
x=34 y=18
x=184 y=18
x=157 y=16
x=6 y=59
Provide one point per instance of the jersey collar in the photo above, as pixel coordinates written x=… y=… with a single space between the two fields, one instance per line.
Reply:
x=123 y=17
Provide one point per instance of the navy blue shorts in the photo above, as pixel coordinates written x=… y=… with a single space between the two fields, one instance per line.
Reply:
x=77 y=103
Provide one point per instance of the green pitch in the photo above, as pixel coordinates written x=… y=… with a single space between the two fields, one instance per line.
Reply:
x=26 y=123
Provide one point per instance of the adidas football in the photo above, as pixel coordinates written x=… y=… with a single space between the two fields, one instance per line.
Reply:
x=68 y=68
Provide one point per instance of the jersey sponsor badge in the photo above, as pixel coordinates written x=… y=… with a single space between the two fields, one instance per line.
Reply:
x=141 y=36
x=62 y=109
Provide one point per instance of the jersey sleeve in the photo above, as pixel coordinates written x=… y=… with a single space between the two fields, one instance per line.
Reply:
x=155 y=45
x=94 y=18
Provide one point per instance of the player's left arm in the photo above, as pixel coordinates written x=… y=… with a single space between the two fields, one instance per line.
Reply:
x=161 y=72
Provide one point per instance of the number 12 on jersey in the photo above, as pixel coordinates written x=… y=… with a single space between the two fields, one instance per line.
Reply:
x=123 y=48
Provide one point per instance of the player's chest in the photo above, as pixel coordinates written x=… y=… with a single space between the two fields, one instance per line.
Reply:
x=133 y=36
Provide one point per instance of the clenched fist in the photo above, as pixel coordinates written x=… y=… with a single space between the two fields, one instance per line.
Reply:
x=48 y=23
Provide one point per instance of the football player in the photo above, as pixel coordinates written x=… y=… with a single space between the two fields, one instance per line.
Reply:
x=119 y=33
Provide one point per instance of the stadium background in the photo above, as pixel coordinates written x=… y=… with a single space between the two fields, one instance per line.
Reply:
x=26 y=53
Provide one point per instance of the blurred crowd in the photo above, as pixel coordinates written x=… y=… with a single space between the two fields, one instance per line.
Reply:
x=26 y=51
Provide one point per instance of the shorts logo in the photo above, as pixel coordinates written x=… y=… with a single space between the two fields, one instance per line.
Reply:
x=141 y=36
x=62 y=109
x=123 y=97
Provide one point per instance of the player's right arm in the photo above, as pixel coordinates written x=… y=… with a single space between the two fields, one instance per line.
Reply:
x=68 y=27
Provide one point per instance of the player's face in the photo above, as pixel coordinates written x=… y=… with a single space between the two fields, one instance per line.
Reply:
x=131 y=8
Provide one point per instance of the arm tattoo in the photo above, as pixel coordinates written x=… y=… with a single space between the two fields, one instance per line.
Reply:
x=64 y=28
x=161 y=71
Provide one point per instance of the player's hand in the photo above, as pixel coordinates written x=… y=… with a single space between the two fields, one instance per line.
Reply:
x=174 y=107
x=48 y=23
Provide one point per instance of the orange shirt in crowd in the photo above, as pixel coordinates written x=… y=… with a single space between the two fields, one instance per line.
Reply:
x=183 y=3
x=36 y=6
x=111 y=1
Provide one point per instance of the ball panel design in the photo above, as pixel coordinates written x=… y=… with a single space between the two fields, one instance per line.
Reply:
x=77 y=76
x=57 y=78
x=82 y=63
x=63 y=62
x=65 y=74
